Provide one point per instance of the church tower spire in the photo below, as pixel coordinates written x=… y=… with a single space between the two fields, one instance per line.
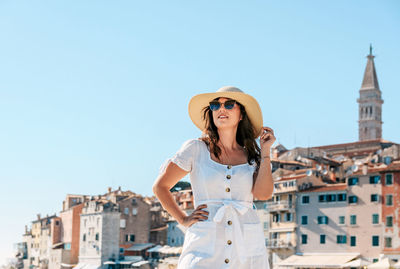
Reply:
x=370 y=103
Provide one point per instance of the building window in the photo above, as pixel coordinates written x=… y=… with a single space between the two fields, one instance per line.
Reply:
x=352 y=181
x=341 y=197
x=353 y=199
x=331 y=197
x=277 y=218
x=341 y=220
x=341 y=239
x=353 y=219
x=288 y=217
x=132 y=238
x=375 y=218
x=388 y=179
x=389 y=199
x=265 y=225
x=134 y=211
x=322 y=238
x=67 y=246
x=352 y=241
x=84 y=237
x=374 y=179
x=57 y=222
x=374 y=198
x=126 y=210
x=375 y=240
x=322 y=198
x=305 y=199
x=304 y=239
x=389 y=221
x=97 y=236
x=304 y=220
x=322 y=220
x=388 y=242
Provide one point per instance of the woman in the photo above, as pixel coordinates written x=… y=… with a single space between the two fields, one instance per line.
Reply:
x=227 y=170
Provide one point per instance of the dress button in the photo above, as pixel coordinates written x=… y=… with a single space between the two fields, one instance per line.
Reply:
x=227 y=189
x=229 y=166
x=226 y=260
x=229 y=222
x=228 y=176
x=229 y=242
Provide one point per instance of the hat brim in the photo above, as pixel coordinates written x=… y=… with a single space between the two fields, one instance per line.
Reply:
x=198 y=102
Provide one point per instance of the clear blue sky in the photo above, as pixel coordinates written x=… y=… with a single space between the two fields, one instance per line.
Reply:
x=95 y=93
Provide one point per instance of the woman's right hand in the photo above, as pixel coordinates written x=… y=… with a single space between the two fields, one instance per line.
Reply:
x=197 y=215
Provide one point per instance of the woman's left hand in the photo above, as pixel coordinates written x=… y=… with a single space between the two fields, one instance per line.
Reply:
x=267 y=138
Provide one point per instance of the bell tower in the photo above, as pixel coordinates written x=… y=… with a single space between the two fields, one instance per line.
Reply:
x=370 y=104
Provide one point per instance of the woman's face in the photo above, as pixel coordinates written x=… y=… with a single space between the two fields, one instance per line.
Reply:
x=226 y=118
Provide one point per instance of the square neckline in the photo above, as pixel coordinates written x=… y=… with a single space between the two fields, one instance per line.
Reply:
x=209 y=157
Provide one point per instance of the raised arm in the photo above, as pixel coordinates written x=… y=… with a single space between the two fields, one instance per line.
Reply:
x=263 y=186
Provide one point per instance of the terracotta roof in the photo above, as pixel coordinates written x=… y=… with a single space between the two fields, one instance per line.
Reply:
x=292 y=177
x=159 y=229
x=355 y=143
x=288 y=162
x=394 y=166
x=371 y=170
x=125 y=245
x=329 y=187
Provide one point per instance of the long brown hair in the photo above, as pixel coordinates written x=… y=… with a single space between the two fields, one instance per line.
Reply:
x=244 y=135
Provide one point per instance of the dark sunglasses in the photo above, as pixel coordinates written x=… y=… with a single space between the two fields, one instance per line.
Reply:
x=215 y=105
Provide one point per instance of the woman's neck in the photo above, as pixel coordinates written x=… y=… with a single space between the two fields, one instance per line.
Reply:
x=227 y=138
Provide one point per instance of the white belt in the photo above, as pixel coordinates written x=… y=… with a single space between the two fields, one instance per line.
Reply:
x=235 y=206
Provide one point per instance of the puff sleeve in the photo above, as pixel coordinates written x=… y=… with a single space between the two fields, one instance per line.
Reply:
x=184 y=157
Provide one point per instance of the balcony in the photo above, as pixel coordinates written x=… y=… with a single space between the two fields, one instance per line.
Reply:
x=279 y=244
x=280 y=206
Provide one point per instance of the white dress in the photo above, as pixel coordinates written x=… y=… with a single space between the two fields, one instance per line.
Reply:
x=232 y=236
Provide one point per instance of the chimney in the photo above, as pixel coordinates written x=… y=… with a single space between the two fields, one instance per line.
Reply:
x=38 y=216
x=109 y=189
x=119 y=188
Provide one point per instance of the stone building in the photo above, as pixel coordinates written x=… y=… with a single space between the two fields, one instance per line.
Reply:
x=282 y=208
x=364 y=225
x=65 y=245
x=135 y=220
x=321 y=214
x=99 y=233
x=390 y=180
x=41 y=242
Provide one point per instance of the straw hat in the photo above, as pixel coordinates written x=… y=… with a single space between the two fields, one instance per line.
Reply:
x=200 y=101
